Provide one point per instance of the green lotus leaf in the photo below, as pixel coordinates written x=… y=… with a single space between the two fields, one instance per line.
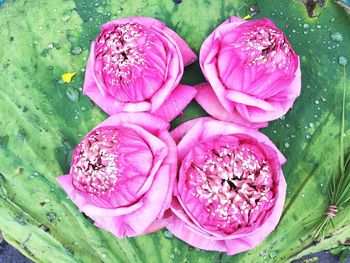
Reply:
x=42 y=119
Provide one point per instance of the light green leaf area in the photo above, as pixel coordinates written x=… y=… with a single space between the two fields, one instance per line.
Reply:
x=42 y=119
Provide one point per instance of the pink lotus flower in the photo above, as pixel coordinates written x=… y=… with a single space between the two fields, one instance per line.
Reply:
x=136 y=64
x=253 y=70
x=230 y=190
x=122 y=174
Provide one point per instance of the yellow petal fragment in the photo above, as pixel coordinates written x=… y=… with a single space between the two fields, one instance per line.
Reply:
x=67 y=77
x=247 y=17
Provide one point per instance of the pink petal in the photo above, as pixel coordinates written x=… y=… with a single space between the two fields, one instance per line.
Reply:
x=210 y=103
x=176 y=102
x=171 y=159
x=159 y=150
x=212 y=128
x=188 y=133
x=153 y=200
x=95 y=212
x=188 y=55
x=147 y=121
x=147 y=21
x=246 y=99
x=181 y=130
x=190 y=139
x=98 y=94
x=254 y=238
x=173 y=74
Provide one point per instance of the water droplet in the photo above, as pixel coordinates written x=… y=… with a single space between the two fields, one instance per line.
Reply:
x=51 y=216
x=21 y=221
x=273 y=254
x=343 y=60
x=293 y=136
x=317 y=102
x=168 y=234
x=286 y=145
x=65 y=17
x=321 y=184
x=72 y=94
x=20 y=136
x=283 y=117
x=308 y=136
x=76 y=117
x=172 y=256
x=306 y=25
x=71 y=38
x=337 y=37
x=76 y=50
x=44 y=52
x=318 y=26
x=262 y=253
x=311 y=125
x=177 y=251
x=302 y=195
x=83 y=108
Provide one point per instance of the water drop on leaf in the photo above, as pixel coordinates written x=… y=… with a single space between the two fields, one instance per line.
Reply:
x=76 y=50
x=168 y=234
x=65 y=17
x=273 y=254
x=51 y=216
x=72 y=94
x=343 y=60
x=337 y=37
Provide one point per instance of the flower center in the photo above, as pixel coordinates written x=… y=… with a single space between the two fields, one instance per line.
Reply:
x=122 y=52
x=265 y=44
x=233 y=184
x=94 y=167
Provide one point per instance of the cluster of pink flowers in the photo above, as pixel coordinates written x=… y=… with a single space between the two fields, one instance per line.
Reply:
x=215 y=182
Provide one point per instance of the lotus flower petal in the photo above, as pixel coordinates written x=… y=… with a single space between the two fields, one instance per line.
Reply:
x=123 y=172
x=230 y=190
x=252 y=68
x=135 y=64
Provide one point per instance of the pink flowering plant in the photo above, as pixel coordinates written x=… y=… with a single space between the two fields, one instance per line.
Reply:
x=122 y=174
x=230 y=188
x=135 y=65
x=216 y=183
x=252 y=69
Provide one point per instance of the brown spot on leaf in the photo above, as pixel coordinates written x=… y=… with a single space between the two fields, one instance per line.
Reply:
x=311 y=5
